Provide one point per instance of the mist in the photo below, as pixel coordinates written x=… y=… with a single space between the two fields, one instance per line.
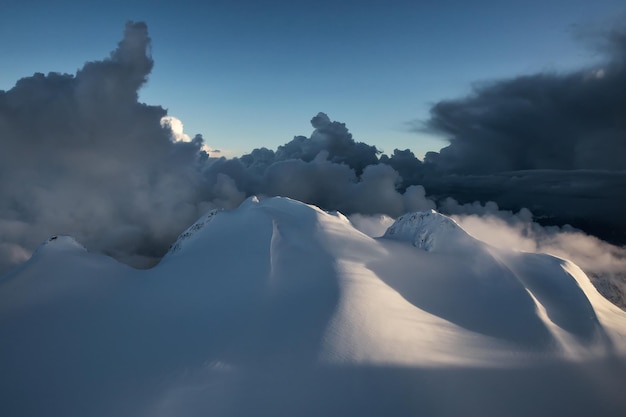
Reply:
x=604 y=263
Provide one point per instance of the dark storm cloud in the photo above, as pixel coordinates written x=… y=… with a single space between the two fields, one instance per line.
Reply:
x=554 y=143
x=591 y=200
x=407 y=165
x=333 y=138
x=541 y=121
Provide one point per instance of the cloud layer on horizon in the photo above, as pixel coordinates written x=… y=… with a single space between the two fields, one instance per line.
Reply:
x=84 y=157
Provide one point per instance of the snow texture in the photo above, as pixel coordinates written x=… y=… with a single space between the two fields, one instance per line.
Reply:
x=427 y=230
x=191 y=231
x=279 y=308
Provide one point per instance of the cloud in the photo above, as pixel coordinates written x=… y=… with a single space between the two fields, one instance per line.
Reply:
x=333 y=138
x=371 y=225
x=336 y=187
x=329 y=169
x=82 y=156
x=552 y=142
x=177 y=134
x=587 y=199
x=539 y=121
x=175 y=125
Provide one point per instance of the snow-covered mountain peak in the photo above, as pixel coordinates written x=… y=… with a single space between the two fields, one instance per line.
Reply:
x=192 y=231
x=250 y=201
x=61 y=243
x=280 y=308
x=254 y=213
x=428 y=230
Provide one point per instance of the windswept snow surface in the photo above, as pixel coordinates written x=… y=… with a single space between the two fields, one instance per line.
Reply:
x=280 y=309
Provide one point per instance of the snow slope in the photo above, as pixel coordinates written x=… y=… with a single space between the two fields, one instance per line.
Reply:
x=280 y=309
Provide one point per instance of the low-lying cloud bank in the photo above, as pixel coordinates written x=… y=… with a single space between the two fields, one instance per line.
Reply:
x=82 y=156
x=603 y=262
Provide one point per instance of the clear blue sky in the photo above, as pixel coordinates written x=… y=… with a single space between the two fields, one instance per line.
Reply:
x=248 y=74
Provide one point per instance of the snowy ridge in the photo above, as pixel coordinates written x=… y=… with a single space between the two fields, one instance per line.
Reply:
x=428 y=230
x=61 y=243
x=191 y=232
x=279 y=308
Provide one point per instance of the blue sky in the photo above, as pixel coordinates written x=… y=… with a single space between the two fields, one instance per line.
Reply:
x=247 y=74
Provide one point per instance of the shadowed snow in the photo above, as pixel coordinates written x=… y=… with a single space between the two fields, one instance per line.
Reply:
x=280 y=308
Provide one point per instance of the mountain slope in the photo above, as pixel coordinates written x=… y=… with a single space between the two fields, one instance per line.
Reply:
x=279 y=308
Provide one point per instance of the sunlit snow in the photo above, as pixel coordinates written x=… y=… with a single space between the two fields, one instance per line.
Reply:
x=278 y=308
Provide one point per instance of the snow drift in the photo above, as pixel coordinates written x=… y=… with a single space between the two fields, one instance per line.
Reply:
x=279 y=308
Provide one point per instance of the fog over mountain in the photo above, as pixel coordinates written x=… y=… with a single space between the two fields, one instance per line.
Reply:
x=82 y=156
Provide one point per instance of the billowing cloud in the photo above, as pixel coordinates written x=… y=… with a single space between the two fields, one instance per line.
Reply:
x=552 y=142
x=82 y=156
x=335 y=186
x=329 y=169
x=175 y=125
x=541 y=121
x=177 y=134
